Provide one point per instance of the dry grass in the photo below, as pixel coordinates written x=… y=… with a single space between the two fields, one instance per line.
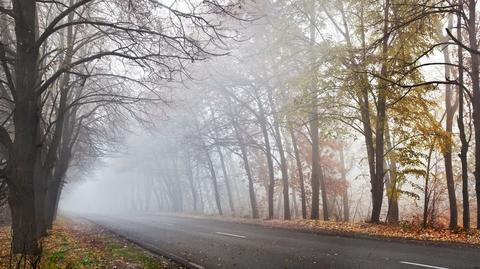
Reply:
x=81 y=244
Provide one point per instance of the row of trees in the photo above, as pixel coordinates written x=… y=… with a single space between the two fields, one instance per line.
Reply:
x=315 y=78
x=284 y=113
x=71 y=73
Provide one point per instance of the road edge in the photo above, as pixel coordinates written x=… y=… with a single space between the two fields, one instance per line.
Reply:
x=344 y=234
x=155 y=251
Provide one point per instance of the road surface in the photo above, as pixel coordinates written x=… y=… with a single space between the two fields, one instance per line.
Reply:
x=209 y=243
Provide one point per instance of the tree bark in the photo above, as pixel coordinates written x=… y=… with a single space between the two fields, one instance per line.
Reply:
x=377 y=184
x=24 y=152
x=474 y=70
x=461 y=127
x=391 y=183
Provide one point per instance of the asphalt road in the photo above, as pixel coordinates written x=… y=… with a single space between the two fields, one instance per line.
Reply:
x=217 y=244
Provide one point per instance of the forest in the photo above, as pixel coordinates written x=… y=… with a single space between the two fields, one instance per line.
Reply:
x=345 y=111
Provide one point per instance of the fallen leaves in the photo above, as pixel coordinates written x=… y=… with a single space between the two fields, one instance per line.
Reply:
x=403 y=231
x=81 y=244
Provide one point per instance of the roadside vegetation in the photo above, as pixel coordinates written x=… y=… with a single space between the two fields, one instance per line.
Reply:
x=80 y=244
x=346 y=111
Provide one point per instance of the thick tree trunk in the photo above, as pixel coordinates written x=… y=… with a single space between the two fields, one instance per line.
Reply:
x=24 y=227
x=23 y=157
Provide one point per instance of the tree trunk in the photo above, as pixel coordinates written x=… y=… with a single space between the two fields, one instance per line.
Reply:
x=391 y=183
x=268 y=155
x=474 y=70
x=227 y=181
x=283 y=160
x=345 y=200
x=324 y=193
x=244 y=152
x=214 y=181
x=461 y=127
x=24 y=152
x=426 y=190
x=222 y=163
x=300 y=173
x=447 y=153
x=377 y=184
x=251 y=187
x=315 y=166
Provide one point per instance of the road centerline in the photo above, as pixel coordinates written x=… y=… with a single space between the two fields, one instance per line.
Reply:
x=423 y=265
x=232 y=235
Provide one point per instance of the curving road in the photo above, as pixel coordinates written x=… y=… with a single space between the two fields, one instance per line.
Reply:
x=206 y=243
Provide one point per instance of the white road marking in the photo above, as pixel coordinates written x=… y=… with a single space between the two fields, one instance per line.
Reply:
x=423 y=265
x=232 y=235
x=196 y=265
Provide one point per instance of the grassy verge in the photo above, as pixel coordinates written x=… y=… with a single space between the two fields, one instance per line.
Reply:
x=81 y=244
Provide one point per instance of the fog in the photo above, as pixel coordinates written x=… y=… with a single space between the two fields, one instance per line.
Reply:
x=239 y=127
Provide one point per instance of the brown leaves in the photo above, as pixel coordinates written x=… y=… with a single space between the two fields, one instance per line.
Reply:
x=404 y=230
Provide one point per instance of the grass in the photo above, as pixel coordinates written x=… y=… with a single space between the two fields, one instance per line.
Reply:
x=81 y=244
